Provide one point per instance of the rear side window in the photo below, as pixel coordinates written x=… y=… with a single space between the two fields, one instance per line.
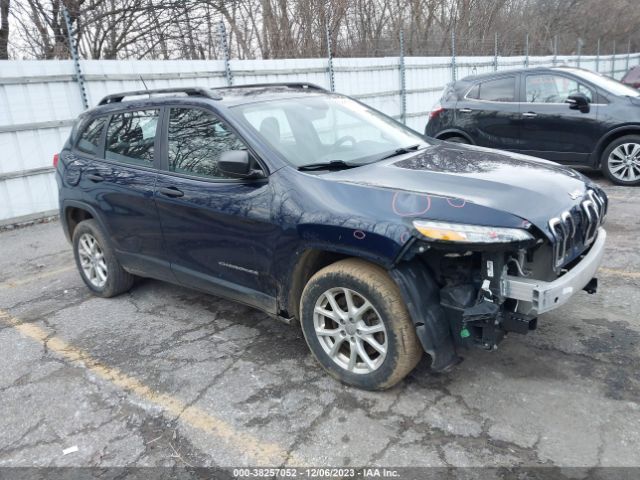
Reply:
x=89 y=140
x=196 y=141
x=130 y=137
x=500 y=90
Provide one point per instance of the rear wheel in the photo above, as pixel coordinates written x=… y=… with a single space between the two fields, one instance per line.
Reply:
x=357 y=326
x=96 y=261
x=620 y=161
x=457 y=140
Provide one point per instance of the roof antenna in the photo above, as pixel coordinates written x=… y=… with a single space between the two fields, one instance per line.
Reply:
x=145 y=85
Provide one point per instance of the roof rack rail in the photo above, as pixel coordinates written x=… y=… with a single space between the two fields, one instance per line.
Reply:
x=190 y=91
x=304 y=85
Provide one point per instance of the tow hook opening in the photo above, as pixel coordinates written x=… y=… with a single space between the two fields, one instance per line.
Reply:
x=592 y=286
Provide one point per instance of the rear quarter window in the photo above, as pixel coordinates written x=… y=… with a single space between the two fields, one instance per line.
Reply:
x=89 y=138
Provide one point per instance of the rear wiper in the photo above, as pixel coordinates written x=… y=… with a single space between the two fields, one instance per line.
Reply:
x=332 y=165
x=401 y=151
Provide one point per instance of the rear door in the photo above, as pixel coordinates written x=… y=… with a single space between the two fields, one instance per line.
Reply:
x=217 y=230
x=123 y=178
x=550 y=128
x=489 y=112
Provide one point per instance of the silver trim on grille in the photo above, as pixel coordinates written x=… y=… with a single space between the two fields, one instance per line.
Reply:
x=564 y=228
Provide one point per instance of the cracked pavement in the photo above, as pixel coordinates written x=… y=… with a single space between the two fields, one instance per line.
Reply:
x=565 y=395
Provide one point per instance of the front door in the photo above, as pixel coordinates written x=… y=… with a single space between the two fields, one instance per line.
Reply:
x=217 y=230
x=550 y=128
x=489 y=113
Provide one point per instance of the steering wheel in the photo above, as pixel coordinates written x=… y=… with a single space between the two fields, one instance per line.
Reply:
x=341 y=140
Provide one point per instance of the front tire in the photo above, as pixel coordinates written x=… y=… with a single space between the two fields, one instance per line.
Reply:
x=357 y=326
x=620 y=161
x=97 y=263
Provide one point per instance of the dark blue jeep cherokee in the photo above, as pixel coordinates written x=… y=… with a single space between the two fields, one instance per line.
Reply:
x=317 y=209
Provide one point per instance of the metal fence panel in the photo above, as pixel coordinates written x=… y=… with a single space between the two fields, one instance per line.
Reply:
x=40 y=99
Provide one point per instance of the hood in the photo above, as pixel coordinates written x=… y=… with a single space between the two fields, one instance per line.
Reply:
x=531 y=188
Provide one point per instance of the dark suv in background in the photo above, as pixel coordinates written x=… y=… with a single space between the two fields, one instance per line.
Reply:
x=317 y=209
x=567 y=115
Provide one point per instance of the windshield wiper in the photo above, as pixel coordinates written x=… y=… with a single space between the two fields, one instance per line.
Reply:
x=400 y=151
x=332 y=165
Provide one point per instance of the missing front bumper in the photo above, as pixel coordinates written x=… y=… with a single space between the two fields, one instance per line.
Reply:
x=546 y=296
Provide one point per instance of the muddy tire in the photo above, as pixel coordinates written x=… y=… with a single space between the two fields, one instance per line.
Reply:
x=97 y=263
x=357 y=325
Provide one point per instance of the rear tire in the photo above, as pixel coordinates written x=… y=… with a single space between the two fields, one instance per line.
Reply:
x=377 y=326
x=457 y=139
x=620 y=161
x=97 y=263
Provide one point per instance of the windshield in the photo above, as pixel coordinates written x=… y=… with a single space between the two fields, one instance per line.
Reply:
x=319 y=129
x=607 y=83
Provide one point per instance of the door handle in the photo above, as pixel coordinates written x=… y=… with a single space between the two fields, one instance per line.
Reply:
x=94 y=177
x=171 y=191
x=465 y=110
x=529 y=114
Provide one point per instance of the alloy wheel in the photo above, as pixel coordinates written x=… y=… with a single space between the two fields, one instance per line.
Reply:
x=92 y=260
x=624 y=162
x=350 y=330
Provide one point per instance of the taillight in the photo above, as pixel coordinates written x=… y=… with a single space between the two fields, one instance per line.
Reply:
x=56 y=157
x=437 y=110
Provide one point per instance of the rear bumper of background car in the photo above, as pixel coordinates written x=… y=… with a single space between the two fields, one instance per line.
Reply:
x=546 y=296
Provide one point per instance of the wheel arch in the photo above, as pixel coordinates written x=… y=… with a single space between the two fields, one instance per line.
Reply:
x=454 y=132
x=73 y=213
x=421 y=295
x=611 y=136
x=308 y=262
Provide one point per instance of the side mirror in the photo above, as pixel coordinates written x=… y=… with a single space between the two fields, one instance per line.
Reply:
x=578 y=101
x=237 y=164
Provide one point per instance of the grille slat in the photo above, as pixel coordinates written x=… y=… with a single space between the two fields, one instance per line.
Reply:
x=564 y=228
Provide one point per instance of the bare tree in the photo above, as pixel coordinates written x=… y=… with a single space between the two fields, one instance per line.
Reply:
x=4 y=29
x=169 y=29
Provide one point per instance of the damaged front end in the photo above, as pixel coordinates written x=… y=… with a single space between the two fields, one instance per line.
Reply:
x=475 y=291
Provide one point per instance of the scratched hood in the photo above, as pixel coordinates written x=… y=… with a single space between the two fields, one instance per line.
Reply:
x=528 y=187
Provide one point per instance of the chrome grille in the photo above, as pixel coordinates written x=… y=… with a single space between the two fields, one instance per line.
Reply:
x=579 y=224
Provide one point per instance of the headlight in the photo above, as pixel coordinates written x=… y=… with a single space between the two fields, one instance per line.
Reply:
x=458 y=232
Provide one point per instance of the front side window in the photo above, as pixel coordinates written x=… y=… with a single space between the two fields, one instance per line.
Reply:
x=500 y=90
x=553 y=89
x=130 y=137
x=321 y=128
x=89 y=140
x=196 y=141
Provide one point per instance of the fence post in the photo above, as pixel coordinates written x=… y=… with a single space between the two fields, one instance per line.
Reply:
x=495 y=53
x=598 y=57
x=555 y=50
x=613 y=61
x=579 y=51
x=526 y=51
x=628 y=54
x=73 y=49
x=403 y=82
x=453 y=54
x=332 y=80
x=226 y=53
